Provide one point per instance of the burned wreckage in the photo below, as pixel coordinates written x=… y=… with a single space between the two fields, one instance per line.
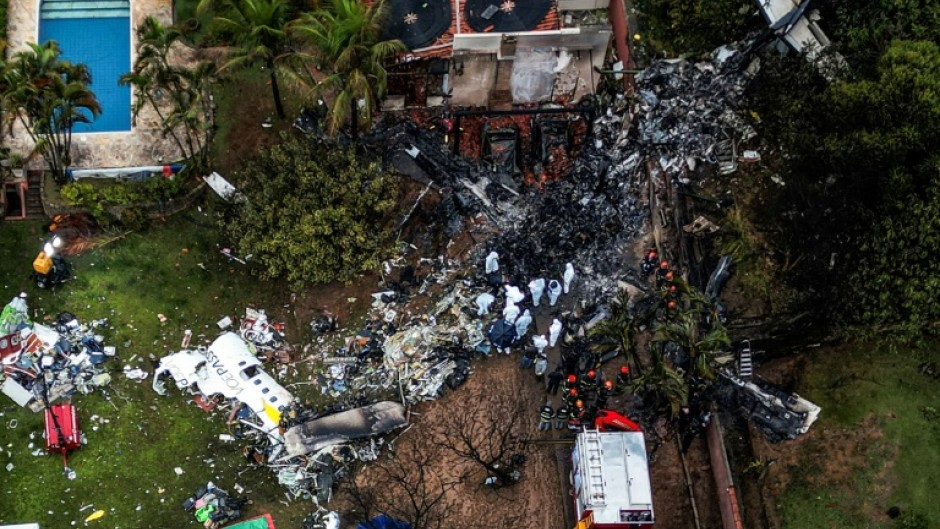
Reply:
x=683 y=119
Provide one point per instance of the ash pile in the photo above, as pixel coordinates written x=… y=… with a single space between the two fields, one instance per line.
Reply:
x=684 y=119
x=46 y=363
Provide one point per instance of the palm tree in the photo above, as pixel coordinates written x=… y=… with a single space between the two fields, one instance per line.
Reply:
x=179 y=95
x=346 y=38
x=619 y=331
x=683 y=331
x=259 y=30
x=48 y=96
x=661 y=385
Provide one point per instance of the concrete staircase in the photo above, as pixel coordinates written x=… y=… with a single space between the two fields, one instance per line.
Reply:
x=501 y=94
x=34 y=208
x=59 y=9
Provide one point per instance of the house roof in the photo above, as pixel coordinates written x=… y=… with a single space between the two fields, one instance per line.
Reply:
x=509 y=16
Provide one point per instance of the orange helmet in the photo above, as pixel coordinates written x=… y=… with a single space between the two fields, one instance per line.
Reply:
x=573 y=392
x=652 y=253
x=591 y=374
x=671 y=305
x=672 y=288
x=668 y=276
x=579 y=403
x=664 y=265
x=609 y=384
x=624 y=370
x=572 y=379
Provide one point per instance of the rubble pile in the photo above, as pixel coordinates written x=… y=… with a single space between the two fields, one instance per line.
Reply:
x=43 y=363
x=686 y=114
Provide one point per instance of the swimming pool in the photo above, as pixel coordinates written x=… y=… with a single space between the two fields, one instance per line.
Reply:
x=94 y=32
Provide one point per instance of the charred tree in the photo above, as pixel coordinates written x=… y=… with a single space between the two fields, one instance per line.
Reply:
x=488 y=433
x=402 y=486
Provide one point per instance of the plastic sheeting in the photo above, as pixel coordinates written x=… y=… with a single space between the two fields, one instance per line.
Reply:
x=533 y=75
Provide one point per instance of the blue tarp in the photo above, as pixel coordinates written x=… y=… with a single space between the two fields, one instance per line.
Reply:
x=383 y=521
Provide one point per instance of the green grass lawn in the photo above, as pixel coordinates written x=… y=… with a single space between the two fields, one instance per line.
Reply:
x=876 y=399
x=127 y=467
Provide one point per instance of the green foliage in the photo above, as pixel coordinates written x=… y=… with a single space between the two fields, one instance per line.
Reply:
x=858 y=211
x=97 y=198
x=694 y=26
x=180 y=95
x=864 y=28
x=48 y=95
x=738 y=238
x=897 y=280
x=662 y=386
x=259 y=31
x=349 y=44
x=314 y=213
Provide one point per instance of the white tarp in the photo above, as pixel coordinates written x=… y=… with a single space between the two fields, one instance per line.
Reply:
x=224 y=188
x=533 y=75
x=17 y=392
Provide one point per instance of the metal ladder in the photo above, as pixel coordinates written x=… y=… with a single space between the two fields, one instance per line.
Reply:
x=595 y=467
x=745 y=364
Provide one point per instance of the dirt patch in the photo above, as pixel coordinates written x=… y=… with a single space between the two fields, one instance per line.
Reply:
x=537 y=501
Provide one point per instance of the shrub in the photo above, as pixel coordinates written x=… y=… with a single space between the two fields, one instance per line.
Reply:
x=314 y=213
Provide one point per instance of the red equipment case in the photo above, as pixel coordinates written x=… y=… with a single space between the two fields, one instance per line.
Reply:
x=62 y=431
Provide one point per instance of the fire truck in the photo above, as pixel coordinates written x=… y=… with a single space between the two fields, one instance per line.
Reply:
x=611 y=480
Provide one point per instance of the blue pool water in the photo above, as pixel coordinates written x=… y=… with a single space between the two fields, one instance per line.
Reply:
x=104 y=45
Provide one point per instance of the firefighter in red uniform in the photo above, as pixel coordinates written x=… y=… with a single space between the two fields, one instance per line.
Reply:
x=571 y=397
x=577 y=414
x=571 y=382
x=604 y=394
x=623 y=379
x=661 y=273
x=588 y=381
x=649 y=262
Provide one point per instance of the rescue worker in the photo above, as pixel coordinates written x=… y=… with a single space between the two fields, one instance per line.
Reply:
x=571 y=398
x=522 y=324
x=484 y=301
x=511 y=313
x=540 y=343
x=546 y=415
x=672 y=308
x=649 y=262
x=571 y=382
x=588 y=382
x=528 y=358
x=576 y=414
x=604 y=394
x=513 y=294
x=561 y=417
x=492 y=263
x=554 y=380
x=623 y=379
x=554 y=331
x=661 y=273
x=554 y=291
x=567 y=277
x=536 y=288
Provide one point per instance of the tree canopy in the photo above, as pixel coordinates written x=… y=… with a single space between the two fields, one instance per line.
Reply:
x=47 y=95
x=314 y=213
x=347 y=39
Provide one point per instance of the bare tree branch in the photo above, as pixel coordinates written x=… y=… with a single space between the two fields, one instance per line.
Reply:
x=489 y=433
x=402 y=486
